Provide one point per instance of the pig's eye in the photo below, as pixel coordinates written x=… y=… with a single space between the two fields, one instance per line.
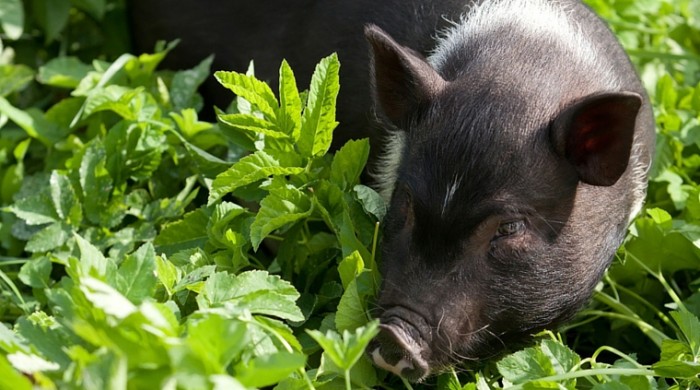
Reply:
x=510 y=228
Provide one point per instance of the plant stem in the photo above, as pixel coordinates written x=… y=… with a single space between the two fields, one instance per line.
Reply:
x=624 y=312
x=348 y=384
x=591 y=372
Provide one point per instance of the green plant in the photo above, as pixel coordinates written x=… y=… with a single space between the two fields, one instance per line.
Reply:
x=142 y=247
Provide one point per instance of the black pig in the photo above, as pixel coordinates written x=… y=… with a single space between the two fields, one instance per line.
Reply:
x=518 y=150
x=520 y=153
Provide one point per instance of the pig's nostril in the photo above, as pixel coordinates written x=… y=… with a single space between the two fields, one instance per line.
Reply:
x=395 y=351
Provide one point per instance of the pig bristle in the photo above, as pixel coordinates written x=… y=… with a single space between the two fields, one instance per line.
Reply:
x=541 y=19
x=385 y=172
x=639 y=175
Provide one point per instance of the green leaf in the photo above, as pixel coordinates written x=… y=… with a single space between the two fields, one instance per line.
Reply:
x=248 y=170
x=372 y=203
x=547 y=359
x=11 y=378
x=65 y=201
x=255 y=291
x=37 y=208
x=92 y=261
x=676 y=369
x=253 y=125
x=48 y=238
x=284 y=205
x=96 y=184
x=348 y=163
x=251 y=89
x=350 y=267
x=188 y=123
x=167 y=274
x=185 y=83
x=47 y=336
x=52 y=16
x=64 y=72
x=217 y=341
x=289 y=116
x=12 y=18
x=690 y=330
x=135 y=278
x=106 y=298
x=14 y=77
x=345 y=351
x=352 y=308
x=96 y=8
x=189 y=232
x=267 y=370
x=318 y=120
x=33 y=122
x=35 y=273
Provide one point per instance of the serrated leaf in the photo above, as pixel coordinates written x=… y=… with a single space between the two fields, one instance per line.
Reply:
x=251 y=89
x=690 y=329
x=48 y=238
x=532 y=363
x=92 y=261
x=65 y=201
x=188 y=122
x=48 y=337
x=34 y=205
x=185 y=83
x=676 y=369
x=346 y=350
x=253 y=125
x=35 y=273
x=189 y=232
x=349 y=162
x=135 y=278
x=255 y=291
x=289 y=116
x=248 y=170
x=283 y=206
x=372 y=203
x=350 y=267
x=95 y=182
x=318 y=120
x=352 y=308
x=167 y=274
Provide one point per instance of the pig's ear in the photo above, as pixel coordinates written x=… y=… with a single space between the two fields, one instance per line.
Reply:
x=401 y=76
x=595 y=134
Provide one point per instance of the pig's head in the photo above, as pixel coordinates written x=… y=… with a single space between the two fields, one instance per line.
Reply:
x=507 y=205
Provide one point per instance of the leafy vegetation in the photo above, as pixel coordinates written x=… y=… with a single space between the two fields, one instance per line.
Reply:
x=144 y=248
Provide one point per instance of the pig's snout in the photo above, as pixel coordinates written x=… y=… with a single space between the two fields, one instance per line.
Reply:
x=400 y=349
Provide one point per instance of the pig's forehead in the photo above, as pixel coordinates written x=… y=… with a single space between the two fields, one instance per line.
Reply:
x=489 y=131
x=477 y=151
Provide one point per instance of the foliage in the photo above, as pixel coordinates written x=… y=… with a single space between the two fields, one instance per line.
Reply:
x=145 y=248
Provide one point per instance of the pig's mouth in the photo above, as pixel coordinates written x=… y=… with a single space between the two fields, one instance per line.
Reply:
x=400 y=347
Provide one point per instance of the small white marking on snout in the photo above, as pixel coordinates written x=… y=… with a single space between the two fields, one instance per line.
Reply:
x=396 y=369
